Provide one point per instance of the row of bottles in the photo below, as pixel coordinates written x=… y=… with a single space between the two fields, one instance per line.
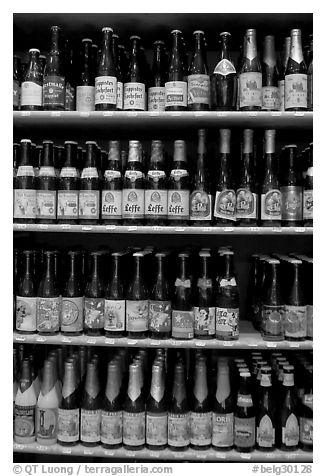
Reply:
x=164 y=399
x=109 y=79
x=93 y=186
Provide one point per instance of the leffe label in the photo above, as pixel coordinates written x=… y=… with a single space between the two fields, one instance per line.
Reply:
x=46 y=201
x=246 y=206
x=106 y=90
x=176 y=94
x=265 y=435
x=24 y=421
x=244 y=432
x=54 y=91
x=111 y=427
x=90 y=425
x=134 y=96
x=46 y=422
x=160 y=316
x=48 y=314
x=114 y=315
x=85 y=98
x=227 y=322
x=94 y=313
x=156 y=428
x=156 y=203
x=156 y=99
x=295 y=321
x=222 y=433
x=26 y=313
x=178 y=204
x=68 y=204
x=291 y=203
x=24 y=203
x=198 y=89
x=224 y=67
x=178 y=429
x=200 y=426
x=89 y=206
x=200 y=205
x=271 y=205
x=308 y=204
x=133 y=203
x=31 y=94
x=72 y=313
x=183 y=324
x=204 y=321
x=111 y=203
x=68 y=425
x=296 y=93
x=271 y=98
x=137 y=316
x=250 y=90
x=225 y=205
x=134 y=428
x=306 y=431
x=273 y=320
x=290 y=431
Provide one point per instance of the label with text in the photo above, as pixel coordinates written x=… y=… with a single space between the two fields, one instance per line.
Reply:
x=119 y=96
x=281 y=90
x=308 y=204
x=198 y=89
x=246 y=206
x=48 y=314
x=176 y=94
x=46 y=423
x=46 y=202
x=85 y=98
x=225 y=205
x=54 y=91
x=133 y=428
x=68 y=425
x=200 y=205
x=204 y=321
x=244 y=432
x=156 y=203
x=24 y=203
x=114 y=315
x=227 y=322
x=133 y=203
x=183 y=324
x=178 y=204
x=309 y=321
x=90 y=425
x=250 y=89
x=111 y=427
x=106 y=90
x=306 y=431
x=156 y=99
x=159 y=316
x=265 y=435
x=273 y=320
x=94 y=313
x=156 y=428
x=68 y=204
x=70 y=98
x=111 y=204
x=89 y=204
x=224 y=68
x=222 y=433
x=291 y=203
x=16 y=93
x=295 y=91
x=134 y=96
x=31 y=94
x=290 y=431
x=178 y=429
x=72 y=313
x=24 y=421
x=295 y=321
x=271 y=205
x=271 y=98
x=200 y=428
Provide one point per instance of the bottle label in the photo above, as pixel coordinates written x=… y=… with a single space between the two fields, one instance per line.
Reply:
x=46 y=171
x=222 y=435
x=291 y=203
x=68 y=425
x=156 y=203
x=94 y=313
x=114 y=315
x=227 y=322
x=46 y=422
x=111 y=427
x=198 y=89
x=133 y=203
x=290 y=431
x=48 y=314
x=271 y=205
x=244 y=401
x=26 y=313
x=271 y=98
x=25 y=171
x=281 y=91
x=134 y=96
x=295 y=321
x=183 y=324
x=106 y=90
x=89 y=204
x=310 y=92
x=176 y=94
x=224 y=67
x=67 y=204
x=200 y=426
x=72 y=313
x=160 y=316
x=24 y=203
x=178 y=204
x=46 y=203
x=90 y=425
x=244 y=432
x=250 y=90
x=16 y=93
x=246 y=206
x=119 y=96
x=296 y=94
x=200 y=205
x=178 y=429
x=111 y=203
x=156 y=99
x=225 y=205
x=133 y=428
x=137 y=316
x=24 y=421
x=273 y=320
x=308 y=204
x=204 y=321
x=177 y=174
x=265 y=435
x=306 y=431
x=156 y=428
x=85 y=100
x=54 y=91
x=68 y=172
x=31 y=94
x=309 y=321
x=70 y=98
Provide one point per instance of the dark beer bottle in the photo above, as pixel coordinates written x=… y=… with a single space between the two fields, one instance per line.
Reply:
x=25 y=186
x=94 y=298
x=310 y=79
x=291 y=188
x=48 y=299
x=182 y=307
x=308 y=193
x=68 y=186
x=32 y=84
x=68 y=414
x=115 y=303
x=85 y=90
x=26 y=296
x=178 y=414
x=204 y=302
x=178 y=187
x=270 y=91
x=106 y=75
x=90 y=411
x=54 y=84
x=272 y=325
x=72 y=307
x=244 y=416
x=134 y=422
x=134 y=94
x=25 y=405
x=46 y=186
x=288 y=424
x=266 y=413
x=284 y=60
x=156 y=410
x=89 y=192
x=133 y=194
x=111 y=212
x=17 y=79
x=250 y=78
x=198 y=77
x=254 y=292
x=115 y=41
x=224 y=78
x=270 y=199
x=137 y=301
x=42 y=60
x=156 y=195
x=306 y=415
x=296 y=94
x=223 y=409
x=295 y=318
x=156 y=89
x=111 y=414
x=70 y=73
x=160 y=301
x=176 y=86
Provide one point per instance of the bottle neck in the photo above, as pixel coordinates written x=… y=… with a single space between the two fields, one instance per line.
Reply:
x=269 y=57
x=95 y=267
x=70 y=155
x=116 y=268
x=250 y=50
x=69 y=382
x=244 y=388
x=49 y=270
x=296 y=53
x=28 y=265
x=92 y=384
x=26 y=376
x=183 y=268
x=134 y=385
x=223 y=388
x=228 y=266
x=73 y=267
x=47 y=156
x=179 y=153
x=225 y=139
x=225 y=48
x=134 y=154
x=90 y=156
x=200 y=388
x=113 y=382
x=179 y=388
x=25 y=153
x=204 y=267
x=158 y=384
x=49 y=379
x=55 y=36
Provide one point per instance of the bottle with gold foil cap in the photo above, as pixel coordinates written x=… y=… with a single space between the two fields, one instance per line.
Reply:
x=296 y=93
x=134 y=411
x=111 y=415
x=250 y=75
x=178 y=415
x=68 y=417
x=90 y=413
x=156 y=410
x=25 y=402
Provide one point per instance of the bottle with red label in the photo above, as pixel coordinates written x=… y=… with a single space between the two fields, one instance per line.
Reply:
x=306 y=415
x=69 y=413
x=160 y=301
x=25 y=186
x=270 y=199
x=48 y=299
x=106 y=75
x=176 y=86
x=115 y=41
x=182 y=306
x=308 y=192
x=296 y=93
x=72 y=306
x=89 y=191
x=54 y=82
x=90 y=411
x=26 y=296
x=94 y=298
x=46 y=186
x=32 y=84
x=137 y=301
x=179 y=187
x=178 y=414
x=115 y=301
x=224 y=78
x=204 y=300
x=266 y=413
x=134 y=91
x=223 y=409
x=156 y=194
x=134 y=420
x=46 y=415
x=111 y=212
x=156 y=85
x=133 y=193
x=111 y=414
x=288 y=412
x=291 y=188
x=17 y=79
x=198 y=77
x=250 y=88
x=244 y=416
x=85 y=89
x=270 y=90
x=156 y=410
x=25 y=404
x=272 y=325
x=295 y=317
x=70 y=73
x=68 y=186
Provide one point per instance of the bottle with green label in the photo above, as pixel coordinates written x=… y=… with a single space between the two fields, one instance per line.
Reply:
x=115 y=300
x=68 y=413
x=204 y=300
x=48 y=299
x=106 y=75
x=94 y=298
x=89 y=191
x=54 y=83
x=178 y=414
x=198 y=77
x=160 y=301
x=224 y=78
x=296 y=94
x=306 y=415
x=111 y=414
x=72 y=307
x=156 y=195
x=134 y=422
x=26 y=296
x=266 y=413
x=272 y=325
x=295 y=317
x=288 y=413
x=250 y=75
x=32 y=84
x=25 y=186
x=156 y=410
x=223 y=409
x=25 y=403
x=176 y=86
x=244 y=416
x=47 y=407
x=90 y=411
x=68 y=186
x=137 y=301
x=182 y=305
x=46 y=186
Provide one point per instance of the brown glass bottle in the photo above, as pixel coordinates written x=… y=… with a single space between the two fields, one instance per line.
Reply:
x=46 y=187
x=111 y=414
x=69 y=62
x=115 y=303
x=244 y=416
x=204 y=302
x=156 y=195
x=134 y=96
x=296 y=94
x=176 y=86
x=291 y=188
x=134 y=423
x=198 y=77
x=85 y=89
x=282 y=68
x=72 y=306
x=89 y=192
x=200 y=417
x=17 y=79
x=272 y=325
x=160 y=301
x=178 y=414
x=68 y=186
x=32 y=84
x=288 y=413
x=266 y=413
x=250 y=75
x=295 y=318
x=223 y=409
x=156 y=410
x=156 y=85
x=25 y=186
x=308 y=192
x=106 y=75
x=111 y=212
x=270 y=91
x=48 y=299
x=90 y=411
x=133 y=194
x=182 y=306
x=179 y=187
x=26 y=296
x=54 y=84
x=253 y=294
x=68 y=414
x=94 y=298
x=224 y=78
x=270 y=200
x=115 y=41
x=137 y=301
x=306 y=415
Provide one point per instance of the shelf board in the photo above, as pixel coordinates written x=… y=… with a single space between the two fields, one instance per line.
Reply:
x=145 y=454
x=168 y=230
x=249 y=339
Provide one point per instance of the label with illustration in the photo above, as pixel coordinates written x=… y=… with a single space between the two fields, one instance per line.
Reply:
x=204 y=321
x=137 y=316
x=156 y=99
x=306 y=431
x=200 y=428
x=183 y=324
x=46 y=423
x=133 y=203
x=176 y=94
x=111 y=427
x=295 y=321
x=246 y=205
x=309 y=321
x=133 y=428
x=68 y=425
x=24 y=203
x=227 y=322
x=94 y=313
x=200 y=205
x=178 y=204
x=24 y=421
x=54 y=91
x=265 y=436
x=159 y=316
x=67 y=204
x=291 y=203
x=296 y=91
x=89 y=204
x=114 y=315
x=222 y=435
x=85 y=98
x=72 y=314
x=134 y=96
x=46 y=203
x=225 y=205
x=26 y=313
x=111 y=204
x=156 y=428
x=250 y=89
x=31 y=94
x=244 y=432
x=273 y=320
x=178 y=429
x=48 y=314
x=271 y=98
x=156 y=203
x=271 y=205
x=90 y=425
x=198 y=89
x=224 y=67
x=106 y=90
x=308 y=204
x=290 y=431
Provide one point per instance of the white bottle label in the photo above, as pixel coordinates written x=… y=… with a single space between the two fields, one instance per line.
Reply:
x=176 y=94
x=265 y=434
x=156 y=428
x=26 y=313
x=271 y=98
x=198 y=89
x=133 y=428
x=227 y=322
x=24 y=203
x=68 y=425
x=114 y=315
x=72 y=314
x=222 y=433
x=46 y=203
x=137 y=316
x=281 y=91
x=224 y=67
x=225 y=205
x=271 y=205
x=106 y=90
x=200 y=205
x=178 y=429
x=94 y=313
x=178 y=204
x=246 y=204
x=156 y=99
x=308 y=204
x=90 y=425
x=290 y=432
x=48 y=314
x=67 y=204
x=296 y=93
x=111 y=427
x=156 y=203
x=250 y=90
x=204 y=321
x=89 y=204
x=134 y=96
x=85 y=98
x=200 y=428
x=295 y=321
x=119 y=96
x=111 y=203
x=133 y=203
x=31 y=94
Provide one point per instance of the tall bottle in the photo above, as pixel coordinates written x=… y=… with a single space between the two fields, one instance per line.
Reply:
x=156 y=410
x=178 y=187
x=291 y=188
x=281 y=82
x=270 y=91
x=48 y=299
x=111 y=212
x=225 y=197
x=72 y=306
x=115 y=303
x=156 y=86
x=68 y=413
x=244 y=416
x=46 y=186
x=85 y=90
x=224 y=78
x=25 y=186
x=250 y=75
x=288 y=420
x=178 y=414
x=89 y=192
x=223 y=409
x=137 y=301
x=204 y=302
x=308 y=192
x=134 y=95
x=306 y=415
x=156 y=194
x=32 y=84
x=182 y=306
x=106 y=75
x=54 y=83
x=70 y=74
x=111 y=414
x=198 y=77
x=25 y=404
x=118 y=66
x=175 y=86
x=310 y=79
x=46 y=419
x=270 y=199
x=68 y=186
x=90 y=411
x=266 y=413
x=296 y=95
x=94 y=297
x=134 y=422
x=26 y=296
x=160 y=301
x=17 y=80
x=295 y=318
x=272 y=326
x=133 y=194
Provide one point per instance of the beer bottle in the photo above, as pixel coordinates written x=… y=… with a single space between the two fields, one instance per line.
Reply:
x=134 y=94
x=25 y=403
x=124 y=61
x=198 y=77
x=46 y=186
x=250 y=75
x=137 y=301
x=295 y=85
x=112 y=187
x=295 y=318
x=54 y=83
x=48 y=299
x=134 y=412
x=310 y=79
x=15 y=381
x=176 y=86
x=156 y=410
x=85 y=90
x=72 y=310
x=89 y=192
x=32 y=84
x=244 y=416
x=26 y=297
x=272 y=325
x=254 y=291
x=225 y=197
x=201 y=195
x=178 y=187
x=291 y=188
x=182 y=308
x=156 y=195
x=115 y=41
x=246 y=195
x=308 y=197
x=58 y=159
x=270 y=200
x=42 y=61
x=24 y=186
x=46 y=418
x=204 y=303
x=223 y=409
x=160 y=301
x=156 y=89
x=224 y=78
x=281 y=82
x=133 y=194
x=227 y=301
x=111 y=414
x=17 y=79
x=178 y=414
x=68 y=186
x=289 y=424
x=90 y=411
x=16 y=152
x=306 y=415
x=70 y=73
x=270 y=91
x=115 y=304
x=266 y=413
x=68 y=413
x=106 y=75
x=94 y=298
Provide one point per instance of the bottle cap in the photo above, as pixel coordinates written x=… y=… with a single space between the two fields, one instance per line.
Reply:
x=70 y=142
x=86 y=39
x=134 y=37
x=48 y=142
x=90 y=142
x=26 y=140
x=295 y=32
x=200 y=32
x=291 y=145
x=158 y=42
x=251 y=31
x=107 y=28
x=43 y=56
x=176 y=31
x=34 y=50
x=225 y=33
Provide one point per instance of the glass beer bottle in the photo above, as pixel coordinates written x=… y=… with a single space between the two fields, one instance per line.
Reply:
x=281 y=82
x=72 y=306
x=272 y=326
x=111 y=414
x=137 y=301
x=106 y=75
x=111 y=212
x=224 y=78
x=134 y=422
x=295 y=317
x=204 y=302
x=156 y=194
x=68 y=186
x=25 y=186
x=308 y=192
x=160 y=301
x=223 y=409
x=178 y=414
x=94 y=298
x=156 y=410
x=270 y=91
x=179 y=187
x=26 y=296
x=46 y=417
x=90 y=411
x=291 y=188
x=89 y=191
x=198 y=77
x=266 y=414
x=134 y=96
x=25 y=404
x=270 y=199
x=295 y=86
x=244 y=416
x=133 y=193
x=85 y=90
x=48 y=299
x=32 y=84
x=176 y=86
x=46 y=186
x=182 y=307
x=115 y=303
x=250 y=75
x=54 y=83
x=68 y=413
